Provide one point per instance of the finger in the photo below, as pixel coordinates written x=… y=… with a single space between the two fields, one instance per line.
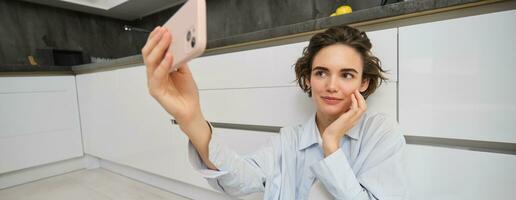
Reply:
x=360 y=107
x=361 y=101
x=152 y=79
x=158 y=52
x=184 y=80
x=152 y=40
x=161 y=74
x=149 y=62
x=154 y=32
x=354 y=103
x=163 y=70
x=346 y=120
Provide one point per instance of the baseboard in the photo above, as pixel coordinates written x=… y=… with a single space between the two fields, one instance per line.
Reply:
x=91 y=162
x=31 y=174
x=167 y=184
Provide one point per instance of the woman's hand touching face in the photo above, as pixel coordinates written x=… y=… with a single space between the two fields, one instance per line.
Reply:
x=339 y=128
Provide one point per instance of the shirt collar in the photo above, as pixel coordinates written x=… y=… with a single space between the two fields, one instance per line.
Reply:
x=310 y=133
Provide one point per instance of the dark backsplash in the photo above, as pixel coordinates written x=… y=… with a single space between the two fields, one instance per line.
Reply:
x=232 y=17
x=26 y=27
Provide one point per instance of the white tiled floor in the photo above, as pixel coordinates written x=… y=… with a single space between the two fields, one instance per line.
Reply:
x=94 y=184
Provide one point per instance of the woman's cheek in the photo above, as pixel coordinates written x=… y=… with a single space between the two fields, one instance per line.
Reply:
x=345 y=105
x=347 y=91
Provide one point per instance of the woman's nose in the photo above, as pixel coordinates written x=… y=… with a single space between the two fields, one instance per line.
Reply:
x=331 y=86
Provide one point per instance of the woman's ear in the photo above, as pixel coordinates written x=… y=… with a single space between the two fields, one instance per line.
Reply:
x=307 y=83
x=364 y=85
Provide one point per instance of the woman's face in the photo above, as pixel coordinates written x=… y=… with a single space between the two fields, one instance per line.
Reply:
x=336 y=74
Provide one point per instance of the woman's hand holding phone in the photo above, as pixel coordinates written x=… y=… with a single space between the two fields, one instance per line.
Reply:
x=176 y=92
x=339 y=128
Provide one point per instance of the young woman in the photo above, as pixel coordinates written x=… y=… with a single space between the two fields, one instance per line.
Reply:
x=342 y=149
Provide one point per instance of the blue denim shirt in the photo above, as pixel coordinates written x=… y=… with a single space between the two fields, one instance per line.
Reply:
x=367 y=166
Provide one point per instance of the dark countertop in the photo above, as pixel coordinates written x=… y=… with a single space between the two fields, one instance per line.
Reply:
x=31 y=68
x=370 y=14
x=360 y=16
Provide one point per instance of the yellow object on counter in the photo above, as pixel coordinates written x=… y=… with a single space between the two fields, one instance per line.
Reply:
x=341 y=10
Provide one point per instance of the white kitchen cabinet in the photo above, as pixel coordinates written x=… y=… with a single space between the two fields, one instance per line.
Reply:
x=435 y=173
x=122 y=123
x=456 y=78
x=385 y=44
x=278 y=106
x=39 y=121
x=264 y=67
x=98 y=108
x=274 y=66
x=256 y=86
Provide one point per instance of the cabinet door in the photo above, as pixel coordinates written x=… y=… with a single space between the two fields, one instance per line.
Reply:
x=385 y=47
x=450 y=174
x=255 y=86
x=39 y=121
x=264 y=67
x=278 y=106
x=98 y=109
x=274 y=66
x=122 y=123
x=456 y=78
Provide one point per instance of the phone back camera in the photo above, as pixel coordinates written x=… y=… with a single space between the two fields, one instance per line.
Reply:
x=193 y=42
x=188 y=35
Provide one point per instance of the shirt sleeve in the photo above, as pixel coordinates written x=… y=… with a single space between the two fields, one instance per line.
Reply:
x=237 y=175
x=380 y=176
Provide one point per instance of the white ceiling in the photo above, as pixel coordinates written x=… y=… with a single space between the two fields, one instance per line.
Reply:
x=128 y=10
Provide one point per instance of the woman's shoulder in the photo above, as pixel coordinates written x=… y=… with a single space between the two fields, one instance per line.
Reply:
x=379 y=119
x=292 y=135
x=377 y=126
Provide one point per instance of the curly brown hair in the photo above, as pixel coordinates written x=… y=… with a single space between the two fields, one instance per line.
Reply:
x=351 y=37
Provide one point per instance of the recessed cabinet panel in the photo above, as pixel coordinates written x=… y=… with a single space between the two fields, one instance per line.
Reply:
x=274 y=66
x=456 y=78
x=450 y=174
x=39 y=121
x=281 y=106
x=122 y=123
x=385 y=44
x=264 y=67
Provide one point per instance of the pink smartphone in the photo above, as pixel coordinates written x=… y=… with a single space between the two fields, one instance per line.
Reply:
x=188 y=29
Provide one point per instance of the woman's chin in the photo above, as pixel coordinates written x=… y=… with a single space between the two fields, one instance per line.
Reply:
x=332 y=110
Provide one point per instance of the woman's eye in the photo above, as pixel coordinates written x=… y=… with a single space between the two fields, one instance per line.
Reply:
x=347 y=75
x=320 y=73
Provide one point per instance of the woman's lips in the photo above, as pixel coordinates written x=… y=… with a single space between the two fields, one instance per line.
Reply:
x=331 y=100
